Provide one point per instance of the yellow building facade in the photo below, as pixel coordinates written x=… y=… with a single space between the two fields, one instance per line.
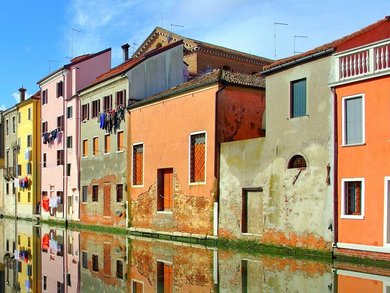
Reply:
x=27 y=183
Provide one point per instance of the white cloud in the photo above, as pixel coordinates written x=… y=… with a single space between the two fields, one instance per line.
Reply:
x=3 y=107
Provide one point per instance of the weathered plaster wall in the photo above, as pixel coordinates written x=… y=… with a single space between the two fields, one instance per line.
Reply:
x=166 y=145
x=296 y=205
x=240 y=113
x=104 y=169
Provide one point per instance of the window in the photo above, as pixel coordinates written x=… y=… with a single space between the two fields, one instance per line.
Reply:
x=353 y=198
x=29 y=114
x=19 y=170
x=107 y=143
x=44 y=282
x=197 y=157
x=138 y=287
x=69 y=142
x=107 y=103
x=164 y=189
x=164 y=277
x=69 y=112
x=85 y=193
x=44 y=97
x=119 y=192
x=120 y=141
x=60 y=287
x=59 y=88
x=298 y=98
x=353 y=120
x=19 y=117
x=13 y=124
x=95 y=108
x=95 y=263
x=28 y=167
x=6 y=188
x=95 y=193
x=44 y=160
x=298 y=162
x=95 y=147
x=44 y=127
x=138 y=161
x=120 y=98
x=119 y=269
x=85 y=112
x=29 y=139
x=68 y=169
x=6 y=127
x=85 y=148
x=84 y=258
x=60 y=157
x=60 y=122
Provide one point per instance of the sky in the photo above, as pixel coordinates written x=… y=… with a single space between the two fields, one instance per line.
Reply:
x=38 y=37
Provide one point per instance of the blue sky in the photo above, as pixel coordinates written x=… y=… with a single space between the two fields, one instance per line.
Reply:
x=36 y=36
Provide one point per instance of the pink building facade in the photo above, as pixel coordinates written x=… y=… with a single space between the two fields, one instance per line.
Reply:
x=60 y=129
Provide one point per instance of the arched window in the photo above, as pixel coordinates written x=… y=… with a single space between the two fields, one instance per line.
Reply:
x=297 y=162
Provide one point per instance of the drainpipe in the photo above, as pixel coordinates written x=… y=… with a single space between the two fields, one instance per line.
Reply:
x=217 y=164
x=64 y=178
x=335 y=169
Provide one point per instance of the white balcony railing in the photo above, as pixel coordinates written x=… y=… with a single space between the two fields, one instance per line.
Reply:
x=365 y=61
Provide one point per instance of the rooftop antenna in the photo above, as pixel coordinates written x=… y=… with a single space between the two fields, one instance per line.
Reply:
x=50 y=62
x=275 y=24
x=295 y=37
x=133 y=47
x=176 y=25
x=71 y=45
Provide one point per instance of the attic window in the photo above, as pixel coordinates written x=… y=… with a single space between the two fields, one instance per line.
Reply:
x=297 y=162
x=159 y=45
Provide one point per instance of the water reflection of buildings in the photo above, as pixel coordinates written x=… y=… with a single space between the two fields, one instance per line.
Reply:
x=46 y=259
x=103 y=262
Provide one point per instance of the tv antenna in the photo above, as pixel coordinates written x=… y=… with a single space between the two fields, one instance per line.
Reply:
x=71 y=42
x=176 y=25
x=50 y=62
x=275 y=24
x=295 y=37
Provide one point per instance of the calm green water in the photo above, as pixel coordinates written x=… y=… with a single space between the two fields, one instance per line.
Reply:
x=51 y=259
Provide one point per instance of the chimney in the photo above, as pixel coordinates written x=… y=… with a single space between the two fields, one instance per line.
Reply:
x=125 y=49
x=22 y=92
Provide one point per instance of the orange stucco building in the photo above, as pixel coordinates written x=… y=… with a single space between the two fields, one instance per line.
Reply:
x=361 y=95
x=174 y=140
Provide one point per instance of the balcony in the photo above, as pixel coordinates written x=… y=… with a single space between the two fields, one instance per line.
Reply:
x=364 y=62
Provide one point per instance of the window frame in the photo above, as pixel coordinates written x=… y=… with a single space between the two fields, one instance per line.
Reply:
x=95 y=197
x=343 y=215
x=69 y=142
x=84 y=193
x=45 y=96
x=13 y=124
x=118 y=147
x=60 y=157
x=119 y=187
x=84 y=112
x=95 y=108
x=292 y=98
x=107 y=143
x=190 y=161
x=69 y=112
x=95 y=146
x=133 y=164
x=85 y=148
x=344 y=124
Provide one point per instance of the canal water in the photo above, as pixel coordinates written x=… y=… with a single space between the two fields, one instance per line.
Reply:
x=40 y=258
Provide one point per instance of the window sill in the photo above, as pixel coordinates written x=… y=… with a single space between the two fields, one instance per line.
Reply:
x=299 y=117
x=165 y=212
x=197 y=183
x=119 y=152
x=137 y=186
x=352 y=217
x=353 y=144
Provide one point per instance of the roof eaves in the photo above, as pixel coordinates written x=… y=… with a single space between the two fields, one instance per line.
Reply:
x=294 y=62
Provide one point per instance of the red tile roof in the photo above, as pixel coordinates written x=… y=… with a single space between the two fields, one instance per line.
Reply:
x=219 y=75
x=321 y=50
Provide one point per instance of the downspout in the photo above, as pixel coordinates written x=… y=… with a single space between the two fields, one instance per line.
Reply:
x=217 y=161
x=335 y=169
x=64 y=178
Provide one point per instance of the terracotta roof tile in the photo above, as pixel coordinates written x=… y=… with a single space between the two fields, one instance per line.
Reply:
x=235 y=78
x=326 y=47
